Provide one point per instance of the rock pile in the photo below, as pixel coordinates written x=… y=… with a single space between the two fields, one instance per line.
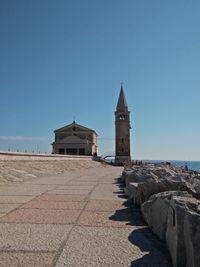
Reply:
x=142 y=182
x=168 y=197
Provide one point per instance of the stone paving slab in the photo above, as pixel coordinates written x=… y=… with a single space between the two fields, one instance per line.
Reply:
x=91 y=246
x=87 y=180
x=41 y=216
x=70 y=192
x=84 y=183
x=25 y=186
x=105 y=196
x=108 y=181
x=49 y=180
x=57 y=205
x=107 y=187
x=15 y=199
x=75 y=187
x=113 y=193
x=4 y=208
x=32 y=237
x=26 y=259
x=20 y=192
x=89 y=218
x=103 y=205
x=54 y=197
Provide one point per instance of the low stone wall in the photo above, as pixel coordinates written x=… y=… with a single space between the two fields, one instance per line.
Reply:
x=168 y=200
x=30 y=156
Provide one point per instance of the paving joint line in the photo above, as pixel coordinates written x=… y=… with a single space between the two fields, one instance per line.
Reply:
x=26 y=251
x=19 y=207
x=60 y=250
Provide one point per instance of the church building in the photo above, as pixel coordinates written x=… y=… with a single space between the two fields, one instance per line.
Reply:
x=75 y=139
x=122 y=131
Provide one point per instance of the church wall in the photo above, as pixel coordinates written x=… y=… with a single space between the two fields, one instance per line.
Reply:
x=57 y=147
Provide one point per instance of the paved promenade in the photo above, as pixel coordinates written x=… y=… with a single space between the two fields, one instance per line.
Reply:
x=79 y=219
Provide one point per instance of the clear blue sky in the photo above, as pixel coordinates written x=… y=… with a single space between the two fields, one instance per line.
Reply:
x=65 y=58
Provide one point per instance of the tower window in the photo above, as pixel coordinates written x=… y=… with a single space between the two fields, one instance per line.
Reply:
x=122 y=140
x=122 y=117
x=122 y=150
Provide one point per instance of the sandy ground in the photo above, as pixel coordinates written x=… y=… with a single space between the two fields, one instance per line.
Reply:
x=18 y=168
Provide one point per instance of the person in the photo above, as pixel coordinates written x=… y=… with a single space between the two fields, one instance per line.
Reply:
x=186 y=167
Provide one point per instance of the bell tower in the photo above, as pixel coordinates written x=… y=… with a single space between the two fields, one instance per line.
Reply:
x=122 y=131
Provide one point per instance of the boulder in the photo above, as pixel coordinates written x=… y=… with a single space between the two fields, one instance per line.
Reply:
x=192 y=238
x=144 y=181
x=139 y=175
x=168 y=197
x=155 y=211
x=143 y=191
x=131 y=192
x=125 y=174
x=196 y=185
x=147 y=173
x=175 y=238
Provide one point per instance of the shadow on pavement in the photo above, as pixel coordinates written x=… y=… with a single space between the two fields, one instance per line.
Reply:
x=155 y=251
x=118 y=182
x=130 y=214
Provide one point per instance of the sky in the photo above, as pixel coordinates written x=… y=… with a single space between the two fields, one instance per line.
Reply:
x=62 y=60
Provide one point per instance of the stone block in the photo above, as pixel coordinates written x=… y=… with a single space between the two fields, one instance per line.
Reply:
x=155 y=211
x=192 y=238
x=175 y=228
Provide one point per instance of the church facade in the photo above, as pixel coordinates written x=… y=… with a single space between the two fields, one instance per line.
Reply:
x=75 y=139
x=122 y=131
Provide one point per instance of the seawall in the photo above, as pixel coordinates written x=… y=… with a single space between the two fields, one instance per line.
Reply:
x=169 y=198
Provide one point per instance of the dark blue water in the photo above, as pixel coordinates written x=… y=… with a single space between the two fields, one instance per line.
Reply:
x=192 y=165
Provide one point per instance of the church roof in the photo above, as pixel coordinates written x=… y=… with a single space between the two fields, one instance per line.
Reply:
x=122 y=103
x=74 y=124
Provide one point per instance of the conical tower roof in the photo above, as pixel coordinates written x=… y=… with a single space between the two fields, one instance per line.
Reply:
x=122 y=103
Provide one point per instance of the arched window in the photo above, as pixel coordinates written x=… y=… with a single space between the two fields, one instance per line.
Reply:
x=122 y=150
x=122 y=117
x=122 y=140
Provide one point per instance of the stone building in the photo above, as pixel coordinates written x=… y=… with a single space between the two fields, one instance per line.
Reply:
x=75 y=139
x=122 y=131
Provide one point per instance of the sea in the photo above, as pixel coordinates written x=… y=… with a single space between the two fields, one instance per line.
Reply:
x=192 y=165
